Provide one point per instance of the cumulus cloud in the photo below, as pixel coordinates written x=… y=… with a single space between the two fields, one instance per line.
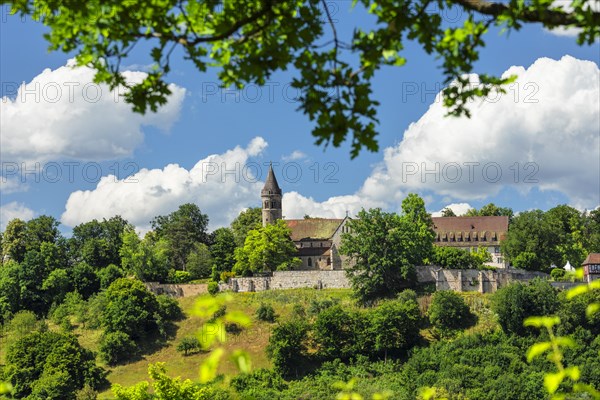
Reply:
x=594 y=5
x=62 y=114
x=14 y=210
x=294 y=156
x=221 y=185
x=543 y=133
x=458 y=208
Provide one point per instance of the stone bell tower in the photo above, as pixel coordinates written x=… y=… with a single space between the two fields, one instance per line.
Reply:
x=271 y=199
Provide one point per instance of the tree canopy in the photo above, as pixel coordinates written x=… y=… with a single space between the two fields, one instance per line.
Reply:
x=266 y=249
x=247 y=41
x=385 y=248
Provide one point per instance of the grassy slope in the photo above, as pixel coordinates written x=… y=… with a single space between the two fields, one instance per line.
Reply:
x=254 y=339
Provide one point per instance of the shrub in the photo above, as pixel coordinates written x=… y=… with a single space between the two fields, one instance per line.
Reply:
x=169 y=308
x=298 y=311
x=188 y=345
x=218 y=314
x=517 y=301
x=108 y=275
x=116 y=347
x=558 y=274
x=225 y=275
x=258 y=380
x=266 y=313
x=180 y=276
x=449 y=311
x=287 y=347
x=213 y=287
x=316 y=306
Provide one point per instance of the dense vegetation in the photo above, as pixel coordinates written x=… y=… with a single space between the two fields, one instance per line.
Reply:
x=55 y=290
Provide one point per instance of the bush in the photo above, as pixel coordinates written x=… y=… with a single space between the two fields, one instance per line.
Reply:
x=222 y=310
x=266 y=313
x=449 y=311
x=180 y=276
x=188 y=345
x=169 y=308
x=316 y=306
x=108 y=275
x=517 y=301
x=558 y=274
x=287 y=347
x=225 y=275
x=50 y=365
x=213 y=287
x=116 y=347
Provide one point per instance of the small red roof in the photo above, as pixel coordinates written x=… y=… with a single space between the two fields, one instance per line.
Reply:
x=592 y=258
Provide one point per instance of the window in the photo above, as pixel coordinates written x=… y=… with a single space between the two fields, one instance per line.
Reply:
x=311 y=244
x=309 y=262
x=321 y=244
x=496 y=249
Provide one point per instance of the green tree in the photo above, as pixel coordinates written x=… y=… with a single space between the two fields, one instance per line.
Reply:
x=130 y=309
x=490 y=210
x=248 y=220
x=249 y=42
x=395 y=326
x=268 y=248
x=447 y=212
x=200 y=261
x=537 y=240
x=10 y=294
x=85 y=280
x=448 y=311
x=188 y=345
x=222 y=249
x=13 y=240
x=147 y=259
x=43 y=229
x=182 y=229
x=386 y=247
x=517 y=301
x=108 y=275
x=116 y=347
x=287 y=347
x=50 y=365
x=98 y=243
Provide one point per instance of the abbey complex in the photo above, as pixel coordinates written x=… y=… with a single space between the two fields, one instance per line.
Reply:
x=318 y=239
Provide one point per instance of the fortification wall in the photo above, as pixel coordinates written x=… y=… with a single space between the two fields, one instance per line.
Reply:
x=177 y=290
x=331 y=279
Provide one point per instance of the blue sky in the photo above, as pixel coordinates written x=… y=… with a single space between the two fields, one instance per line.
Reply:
x=542 y=136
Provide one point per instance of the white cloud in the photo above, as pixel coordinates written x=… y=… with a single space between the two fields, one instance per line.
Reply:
x=294 y=156
x=458 y=208
x=221 y=185
x=543 y=133
x=548 y=118
x=12 y=210
x=62 y=114
x=566 y=6
x=11 y=185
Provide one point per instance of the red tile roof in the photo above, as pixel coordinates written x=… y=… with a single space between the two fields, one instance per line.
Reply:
x=457 y=230
x=592 y=258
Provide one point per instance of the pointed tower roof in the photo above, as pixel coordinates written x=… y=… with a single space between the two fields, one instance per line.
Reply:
x=271 y=186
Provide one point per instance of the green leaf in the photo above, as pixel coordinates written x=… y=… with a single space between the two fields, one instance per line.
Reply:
x=576 y=291
x=537 y=349
x=539 y=322
x=209 y=367
x=238 y=317
x=553 y=380
x=592 y=309
x=242 y=361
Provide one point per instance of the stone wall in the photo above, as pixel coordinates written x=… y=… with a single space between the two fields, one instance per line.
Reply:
x=177 y=290
x=472 y=280
x=333 y=279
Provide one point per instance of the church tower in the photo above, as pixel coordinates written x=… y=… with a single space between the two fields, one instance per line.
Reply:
x=271 y=199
